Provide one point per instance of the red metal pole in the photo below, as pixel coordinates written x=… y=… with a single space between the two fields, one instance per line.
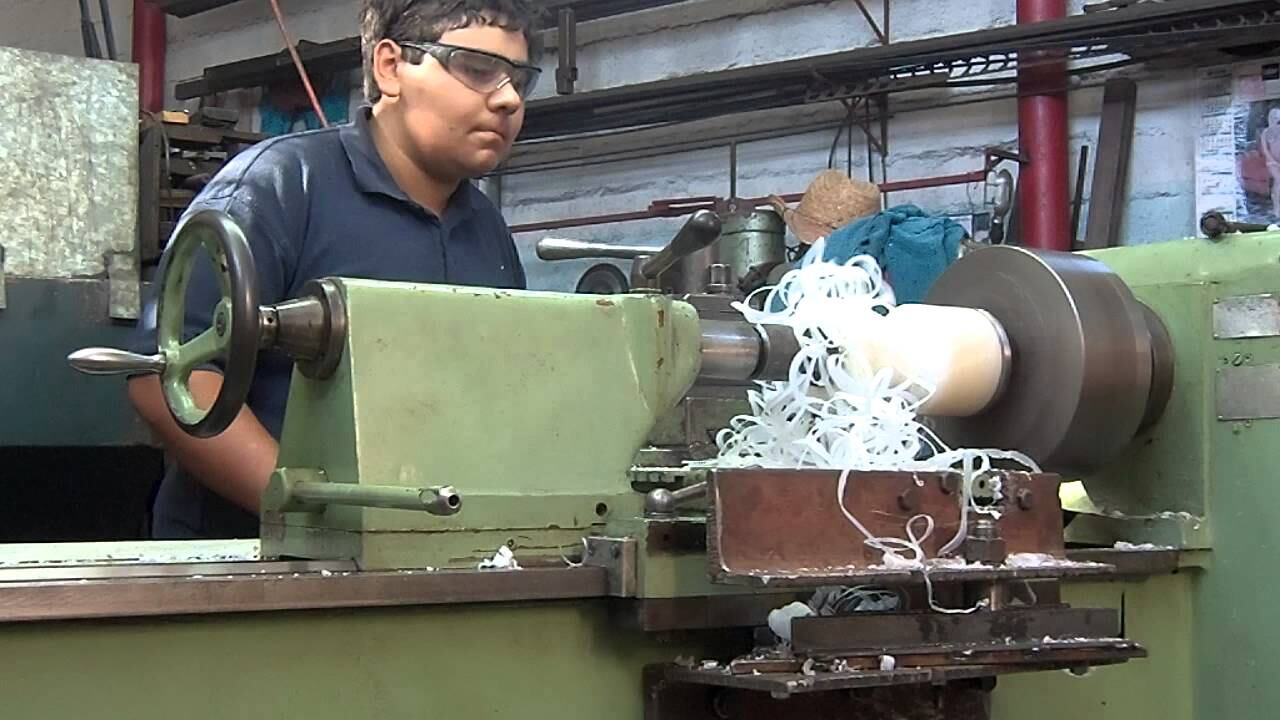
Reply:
x=149 y=47
x=1043 y=199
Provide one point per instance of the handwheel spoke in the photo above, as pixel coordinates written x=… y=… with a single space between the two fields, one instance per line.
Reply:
x=207 y=345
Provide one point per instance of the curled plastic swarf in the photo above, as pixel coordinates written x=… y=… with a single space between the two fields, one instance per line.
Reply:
x=836 y=411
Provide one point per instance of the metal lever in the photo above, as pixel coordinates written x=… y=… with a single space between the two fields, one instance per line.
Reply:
x=564 y=249
x=664 y=502
x=1214 y=225
x=286 y=494
x=109 y=361
x=698 y=233
x=433 y=500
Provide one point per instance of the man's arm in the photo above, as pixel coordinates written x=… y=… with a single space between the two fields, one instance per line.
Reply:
x=236 y=464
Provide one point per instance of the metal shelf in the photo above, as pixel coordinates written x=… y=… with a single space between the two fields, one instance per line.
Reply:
x=343 y=55
x=1139 y=32
x=187 y=8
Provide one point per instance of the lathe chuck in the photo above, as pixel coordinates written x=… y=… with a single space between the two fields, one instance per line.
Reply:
x=1090 y=364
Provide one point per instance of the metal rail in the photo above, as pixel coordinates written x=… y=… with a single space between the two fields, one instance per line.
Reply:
x=201 y=594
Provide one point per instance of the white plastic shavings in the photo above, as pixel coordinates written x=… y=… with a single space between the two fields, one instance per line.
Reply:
x=503 y=559
x=780 y=619
x=836 y=410
x=1122 y=545
x=888 y=663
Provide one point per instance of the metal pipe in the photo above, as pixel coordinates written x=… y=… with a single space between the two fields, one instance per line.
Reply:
x=88 y=33
x=674 y=207
x=149 y=47
x=1043 y=197
x=108 y=29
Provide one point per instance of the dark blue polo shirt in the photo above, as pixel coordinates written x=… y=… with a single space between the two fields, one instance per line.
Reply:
x=312 y=205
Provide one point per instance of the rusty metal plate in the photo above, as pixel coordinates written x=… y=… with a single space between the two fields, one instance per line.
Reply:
x=779 y=526
x=667 y=700
x=890 y=632
x=940 y=665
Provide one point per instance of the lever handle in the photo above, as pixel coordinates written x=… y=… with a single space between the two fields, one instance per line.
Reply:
x=564 y=249
x=109 y=361
x=699 y=232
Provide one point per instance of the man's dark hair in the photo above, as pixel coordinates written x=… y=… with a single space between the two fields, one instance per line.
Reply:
x=427 y=20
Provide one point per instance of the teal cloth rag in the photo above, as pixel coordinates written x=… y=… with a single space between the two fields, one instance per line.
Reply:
x=279 y=122
x=912 y=247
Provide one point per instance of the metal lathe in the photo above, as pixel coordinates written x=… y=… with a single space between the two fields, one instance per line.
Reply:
x=494 y=503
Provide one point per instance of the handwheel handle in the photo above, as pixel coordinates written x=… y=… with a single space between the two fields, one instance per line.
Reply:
x=109 y=361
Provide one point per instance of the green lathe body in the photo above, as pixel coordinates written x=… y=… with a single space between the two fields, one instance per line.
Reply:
x=1202 y=479
x=532 y=406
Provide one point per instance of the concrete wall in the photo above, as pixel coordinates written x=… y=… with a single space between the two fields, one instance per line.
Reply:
x=54 y=25
x=699 y=36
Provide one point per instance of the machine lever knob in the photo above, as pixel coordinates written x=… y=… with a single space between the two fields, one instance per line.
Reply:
x=563 y=249
x=109 y=361
x=699 y=232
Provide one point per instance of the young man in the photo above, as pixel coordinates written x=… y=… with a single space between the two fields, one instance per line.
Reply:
x=386 y=197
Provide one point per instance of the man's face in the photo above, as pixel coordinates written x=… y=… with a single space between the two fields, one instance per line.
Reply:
x=451 y=127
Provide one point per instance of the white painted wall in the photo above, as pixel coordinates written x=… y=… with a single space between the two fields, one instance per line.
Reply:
x=696 y=37
x=54 y=25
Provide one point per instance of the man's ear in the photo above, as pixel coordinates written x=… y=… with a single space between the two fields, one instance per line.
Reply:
x=386 y=68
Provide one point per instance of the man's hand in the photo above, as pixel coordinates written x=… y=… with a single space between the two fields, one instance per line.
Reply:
x=236 y=464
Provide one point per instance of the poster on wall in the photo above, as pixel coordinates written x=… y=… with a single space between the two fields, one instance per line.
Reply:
x=1238 y=153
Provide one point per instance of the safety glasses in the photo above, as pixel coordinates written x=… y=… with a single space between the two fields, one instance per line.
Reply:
x=481 y=71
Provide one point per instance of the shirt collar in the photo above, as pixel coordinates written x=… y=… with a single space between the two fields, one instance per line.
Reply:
x=372 y=175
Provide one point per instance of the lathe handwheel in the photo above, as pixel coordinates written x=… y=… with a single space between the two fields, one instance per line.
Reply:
x=233 y=336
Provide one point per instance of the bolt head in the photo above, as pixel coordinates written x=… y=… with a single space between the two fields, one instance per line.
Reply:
x=1025 y=499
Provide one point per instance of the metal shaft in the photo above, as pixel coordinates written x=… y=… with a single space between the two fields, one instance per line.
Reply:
x=564 y=249
x=737 y=351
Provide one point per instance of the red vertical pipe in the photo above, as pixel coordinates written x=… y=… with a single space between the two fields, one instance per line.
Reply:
x=149 y=46
x=1043 y=199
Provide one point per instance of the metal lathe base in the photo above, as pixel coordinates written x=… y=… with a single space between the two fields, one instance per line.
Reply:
x=321 y=641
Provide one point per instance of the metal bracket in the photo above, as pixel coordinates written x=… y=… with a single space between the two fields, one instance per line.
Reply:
x=567 y=71
x=124 y=286
x=618 y=557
